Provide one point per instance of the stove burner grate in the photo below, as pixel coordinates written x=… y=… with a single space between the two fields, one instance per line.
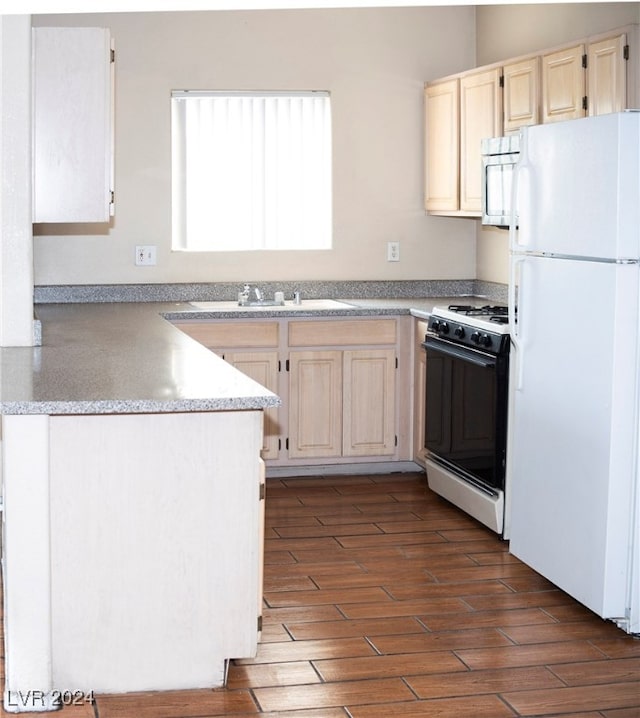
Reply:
x=493 y=311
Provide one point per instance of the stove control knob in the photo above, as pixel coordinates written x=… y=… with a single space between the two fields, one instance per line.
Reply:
x=443 y=328
x=435 y=325
x=475 y=337
x=486 y=340
x=459 y=332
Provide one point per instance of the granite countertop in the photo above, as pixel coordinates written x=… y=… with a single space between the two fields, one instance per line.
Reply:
x=127 y=358
x=342 y=307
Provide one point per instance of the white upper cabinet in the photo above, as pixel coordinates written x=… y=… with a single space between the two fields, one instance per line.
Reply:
x=72 y=125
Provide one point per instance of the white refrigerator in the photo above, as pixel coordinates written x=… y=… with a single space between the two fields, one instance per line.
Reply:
x=573 y=503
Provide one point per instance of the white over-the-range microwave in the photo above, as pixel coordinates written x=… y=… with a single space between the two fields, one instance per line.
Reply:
x=499 y=158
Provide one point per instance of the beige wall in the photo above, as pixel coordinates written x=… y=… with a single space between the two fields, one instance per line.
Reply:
x=374 y=62
x=505 y=31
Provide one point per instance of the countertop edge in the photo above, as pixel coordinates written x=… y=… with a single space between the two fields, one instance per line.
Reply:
x=57 y=377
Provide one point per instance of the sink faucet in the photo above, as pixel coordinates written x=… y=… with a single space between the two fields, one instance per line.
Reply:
x=244 y=297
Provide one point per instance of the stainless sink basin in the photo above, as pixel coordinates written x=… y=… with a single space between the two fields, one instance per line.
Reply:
x=262 y=303
x=305 y=305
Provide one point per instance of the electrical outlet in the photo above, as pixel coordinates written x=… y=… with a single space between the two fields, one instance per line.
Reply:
x=393 y=251
x=145 y=255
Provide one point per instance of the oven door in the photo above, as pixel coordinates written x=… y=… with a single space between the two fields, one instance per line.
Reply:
x=466 y=412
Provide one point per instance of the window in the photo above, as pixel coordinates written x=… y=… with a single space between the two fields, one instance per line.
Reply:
x=251 y=171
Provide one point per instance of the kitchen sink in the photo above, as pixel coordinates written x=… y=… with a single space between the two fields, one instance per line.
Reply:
x=305 y=305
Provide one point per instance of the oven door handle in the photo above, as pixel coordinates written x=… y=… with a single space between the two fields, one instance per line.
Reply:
x=486 y=361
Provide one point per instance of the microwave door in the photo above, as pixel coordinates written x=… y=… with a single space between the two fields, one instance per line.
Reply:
x=498 y=176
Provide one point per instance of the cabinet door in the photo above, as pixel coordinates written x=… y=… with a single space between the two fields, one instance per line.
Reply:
x=606 y=76
x=263 y=368
x=369 y=402
x=480 y=117
x=315 y=404
x=72 y=125
x=563 y=84
x=521 y=94
x=442 y=112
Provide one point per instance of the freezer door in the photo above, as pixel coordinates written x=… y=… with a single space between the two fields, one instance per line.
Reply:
x=571 y=454
x=578 y=188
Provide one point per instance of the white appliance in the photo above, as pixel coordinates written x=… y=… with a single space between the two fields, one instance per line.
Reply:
x=574 y=297
x=499 y=158
x=466 y=403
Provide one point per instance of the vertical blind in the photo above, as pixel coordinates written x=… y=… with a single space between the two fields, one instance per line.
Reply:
x=251 y=170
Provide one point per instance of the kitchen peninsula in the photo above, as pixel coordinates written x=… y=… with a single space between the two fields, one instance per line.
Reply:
x=132 y=507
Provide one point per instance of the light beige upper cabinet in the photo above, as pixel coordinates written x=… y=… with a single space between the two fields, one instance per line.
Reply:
x=521 y=94
x=586 y=79
x=442 y=146
x=459 y=113
x=72 y=124
x=480 y=117
x=606 y=75
x=599 y=74
x=563 y=84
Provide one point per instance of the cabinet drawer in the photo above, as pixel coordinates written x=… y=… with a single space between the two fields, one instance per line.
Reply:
x=232 y=334
x=342 y=332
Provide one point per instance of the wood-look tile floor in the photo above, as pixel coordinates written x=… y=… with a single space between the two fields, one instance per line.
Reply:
x=381 y=600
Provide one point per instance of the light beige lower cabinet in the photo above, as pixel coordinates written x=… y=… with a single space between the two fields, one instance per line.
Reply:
x=315 y=404
x=369 y=425
x=252 y=347
x=342 y=401
x=337 y=378
x=263 y=367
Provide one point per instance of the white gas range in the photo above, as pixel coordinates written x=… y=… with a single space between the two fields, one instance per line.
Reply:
x=466 y=408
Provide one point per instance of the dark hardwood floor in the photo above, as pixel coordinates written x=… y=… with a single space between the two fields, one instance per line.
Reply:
x=383 y=600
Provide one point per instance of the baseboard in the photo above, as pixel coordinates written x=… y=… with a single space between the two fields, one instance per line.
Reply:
x=388 y=467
